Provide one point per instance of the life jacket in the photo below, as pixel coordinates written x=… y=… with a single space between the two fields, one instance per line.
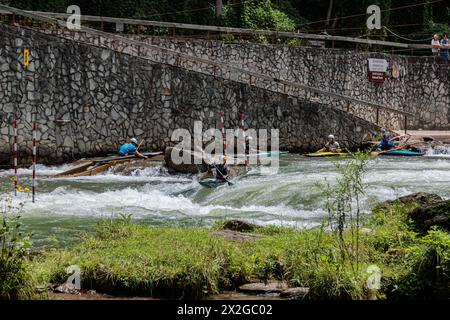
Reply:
x=223 y=171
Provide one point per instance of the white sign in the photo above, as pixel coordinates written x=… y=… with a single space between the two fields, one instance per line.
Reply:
x=378 y=65
x=119 y=27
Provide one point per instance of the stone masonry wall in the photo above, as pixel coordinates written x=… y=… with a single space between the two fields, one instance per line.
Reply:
x=88 y=100
x=422 y=88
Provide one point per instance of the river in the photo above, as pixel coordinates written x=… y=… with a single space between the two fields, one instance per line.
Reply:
x=66 y=207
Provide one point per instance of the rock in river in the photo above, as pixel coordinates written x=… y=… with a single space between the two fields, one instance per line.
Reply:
x=195 y=162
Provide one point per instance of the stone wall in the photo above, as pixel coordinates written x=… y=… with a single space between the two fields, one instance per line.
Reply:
x=422 y=87
x=88 y=100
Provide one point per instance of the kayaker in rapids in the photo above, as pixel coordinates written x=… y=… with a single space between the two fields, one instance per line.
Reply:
x=331 y=146
x=131 y=148
x=222 y=169
x=386 y=143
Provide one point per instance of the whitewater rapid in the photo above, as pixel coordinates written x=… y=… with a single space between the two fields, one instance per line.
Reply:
x=155 y=197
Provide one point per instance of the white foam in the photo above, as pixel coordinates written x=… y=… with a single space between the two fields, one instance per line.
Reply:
x=289 y=198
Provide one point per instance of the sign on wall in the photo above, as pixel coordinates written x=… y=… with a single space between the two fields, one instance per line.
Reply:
x=377 y=70
x=119 y=27
x=26 y=57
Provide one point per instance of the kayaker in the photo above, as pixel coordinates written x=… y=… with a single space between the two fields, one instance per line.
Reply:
x=131 y=148
x=386 y=143
x=331 y=146
x=222 y=169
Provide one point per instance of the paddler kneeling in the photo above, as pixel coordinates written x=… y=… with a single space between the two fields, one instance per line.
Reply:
x=331 y=146
x=131 y=148
x=386 y=143
x=222 y=169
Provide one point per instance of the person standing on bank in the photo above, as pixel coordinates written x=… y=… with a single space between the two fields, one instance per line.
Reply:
x=131 y=148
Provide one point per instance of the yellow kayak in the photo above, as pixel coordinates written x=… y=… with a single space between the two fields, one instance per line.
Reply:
x=326 y=154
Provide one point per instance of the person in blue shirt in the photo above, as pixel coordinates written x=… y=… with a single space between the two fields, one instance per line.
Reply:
x=445 y=46
x=131 y=148
x=386 y=144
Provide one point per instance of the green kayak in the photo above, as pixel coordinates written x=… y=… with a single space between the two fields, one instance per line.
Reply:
x=212 y=182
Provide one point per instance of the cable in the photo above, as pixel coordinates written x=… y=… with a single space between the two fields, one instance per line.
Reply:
x=406 y=39
x=364 y=27
x=364 y=14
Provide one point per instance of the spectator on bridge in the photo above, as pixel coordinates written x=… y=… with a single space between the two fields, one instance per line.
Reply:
x=436 y=45
x=445 y=46
x=331 y=146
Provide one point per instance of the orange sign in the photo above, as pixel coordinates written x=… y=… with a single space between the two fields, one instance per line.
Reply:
x=26 y=57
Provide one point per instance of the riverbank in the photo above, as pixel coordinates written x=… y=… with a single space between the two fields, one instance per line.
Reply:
x=129 y=259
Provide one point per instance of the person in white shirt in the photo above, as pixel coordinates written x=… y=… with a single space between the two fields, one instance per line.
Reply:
x=436 y=45
x=331 y=146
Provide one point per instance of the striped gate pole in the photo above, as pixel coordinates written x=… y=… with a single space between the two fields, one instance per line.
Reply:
x=33 y=188
x=222 y=126
x=245 y=143
x=15 y=153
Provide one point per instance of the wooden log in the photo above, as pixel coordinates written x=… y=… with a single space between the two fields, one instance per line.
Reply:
x=77 y=169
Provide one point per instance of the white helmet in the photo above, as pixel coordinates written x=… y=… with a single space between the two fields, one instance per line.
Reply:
x=134 y=140
x=331 y=137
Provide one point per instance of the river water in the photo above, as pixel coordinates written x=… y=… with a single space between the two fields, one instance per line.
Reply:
x=66 y=207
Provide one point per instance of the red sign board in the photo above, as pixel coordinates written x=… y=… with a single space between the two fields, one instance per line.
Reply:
x=377 y=77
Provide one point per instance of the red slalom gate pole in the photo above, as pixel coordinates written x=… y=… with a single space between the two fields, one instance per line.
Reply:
x=245 y=143
x=15 y=153
x=33 y=188
x=222 y=126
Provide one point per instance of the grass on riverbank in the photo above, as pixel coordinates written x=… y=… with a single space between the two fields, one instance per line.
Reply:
x=126 y=258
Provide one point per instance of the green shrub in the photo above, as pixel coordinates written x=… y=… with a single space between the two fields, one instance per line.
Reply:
x=15 y=279
x=427 y=273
